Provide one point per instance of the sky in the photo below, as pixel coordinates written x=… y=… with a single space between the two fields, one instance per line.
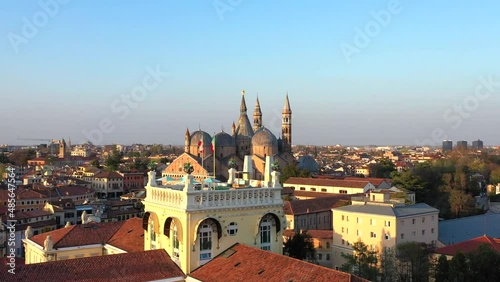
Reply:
x=356 y=72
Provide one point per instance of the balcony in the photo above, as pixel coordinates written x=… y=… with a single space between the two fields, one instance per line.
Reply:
x=208 y=199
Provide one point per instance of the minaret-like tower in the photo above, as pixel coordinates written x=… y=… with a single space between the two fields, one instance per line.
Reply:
x=286 y=126
x=233 y=129
x=186 y=141
x=257 y=116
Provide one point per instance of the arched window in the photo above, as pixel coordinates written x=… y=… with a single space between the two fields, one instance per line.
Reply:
x=175 y=238
x=265 y=234
x=209 y=231
x=152 y=238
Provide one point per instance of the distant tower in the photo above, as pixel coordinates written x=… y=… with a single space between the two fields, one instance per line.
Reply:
x=186 y=141
x=62 y=149
x=257 y=116
x=286 y=126
x=233 y=129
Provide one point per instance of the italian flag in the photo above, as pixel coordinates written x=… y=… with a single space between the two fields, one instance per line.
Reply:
x=212 y=146
x=200 y=146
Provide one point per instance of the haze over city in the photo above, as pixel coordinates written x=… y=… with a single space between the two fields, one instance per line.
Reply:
x=419 y=64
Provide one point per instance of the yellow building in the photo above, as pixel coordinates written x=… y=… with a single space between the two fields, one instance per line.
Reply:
x=194 y=225
x=84 y=240
x=381 y=223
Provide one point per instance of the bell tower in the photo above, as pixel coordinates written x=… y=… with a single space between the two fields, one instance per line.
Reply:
x=257 y=116
x=286 y=126
x=187 y=141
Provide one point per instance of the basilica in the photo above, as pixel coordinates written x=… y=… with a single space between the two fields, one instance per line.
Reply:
x=247 y=147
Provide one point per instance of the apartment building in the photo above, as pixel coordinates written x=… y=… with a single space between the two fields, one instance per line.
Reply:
x=381 y=222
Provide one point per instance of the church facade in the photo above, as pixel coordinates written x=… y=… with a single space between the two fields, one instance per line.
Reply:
x=255 y=141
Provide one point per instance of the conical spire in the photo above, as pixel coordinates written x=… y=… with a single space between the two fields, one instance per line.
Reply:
x=187 y=132
x=257 y=110
x=243 y=106
x=233 y=128
x=287 y=109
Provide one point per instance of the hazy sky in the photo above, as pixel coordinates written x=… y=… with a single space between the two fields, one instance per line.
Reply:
x=357 y=72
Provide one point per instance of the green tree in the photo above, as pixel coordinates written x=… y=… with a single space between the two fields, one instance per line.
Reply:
x=484 y=264
x=21 y=157
x=300 y=246
x=388 y=265
x=462 y=204
x=4 y=159
x=3 y=169
x=413 y=261
x=363 y=262
x=293 y=170
x=442 y=269
x=458 y=268
x=113 y=161
x=495 y=176
x=382 y=169
x=95 y=163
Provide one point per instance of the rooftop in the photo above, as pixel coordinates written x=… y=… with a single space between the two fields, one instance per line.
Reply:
x=140 y=266
x=327 y=182
x=469 y=246
x=244 y=263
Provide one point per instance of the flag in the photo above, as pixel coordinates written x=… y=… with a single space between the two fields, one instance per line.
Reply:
x=200 y=146
x=212 y=146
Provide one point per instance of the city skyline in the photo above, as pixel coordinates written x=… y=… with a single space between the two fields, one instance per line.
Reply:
x=421 y=76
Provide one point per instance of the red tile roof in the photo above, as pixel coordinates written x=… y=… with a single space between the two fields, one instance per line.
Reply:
x=80 y=235
x=297 y=207
x=469 y=246
x=327 y=182
x=136 y=267
x=244 y=263
x=108 y=175
x=22 y=194
x=372 y=180
x=130 y=237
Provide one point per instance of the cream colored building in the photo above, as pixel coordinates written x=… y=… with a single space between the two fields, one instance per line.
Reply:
x=380 y=222
x=84 y=240
x=194 y=226
x=332 y=186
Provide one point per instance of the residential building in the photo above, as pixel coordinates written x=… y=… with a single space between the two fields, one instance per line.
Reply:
x=108 y=184
x=462 y=145
x=333 y=186
x=39 y=221
x=322 y=241
x=477 y=144
x=381 y=223
x=447 y=145
x=313 y=214
x=133 y=180
x=86 y=240
x=26 y=199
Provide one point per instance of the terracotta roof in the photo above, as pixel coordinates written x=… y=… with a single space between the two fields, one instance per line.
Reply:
x=297 y=207
x=80 y=235
x=108 y=174
x=69 y=191
x=469 y=246
x=130 y=237
x=141 y=266
x=372 y=180
x=22 y=193
x=309 y=194
x=327 y=182
x=31 y=214
x=243 y=263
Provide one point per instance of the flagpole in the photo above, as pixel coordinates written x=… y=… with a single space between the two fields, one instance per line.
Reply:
x=213 y=144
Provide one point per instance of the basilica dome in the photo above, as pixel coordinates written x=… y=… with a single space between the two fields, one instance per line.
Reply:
x=264 y=137
x=199 y=135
